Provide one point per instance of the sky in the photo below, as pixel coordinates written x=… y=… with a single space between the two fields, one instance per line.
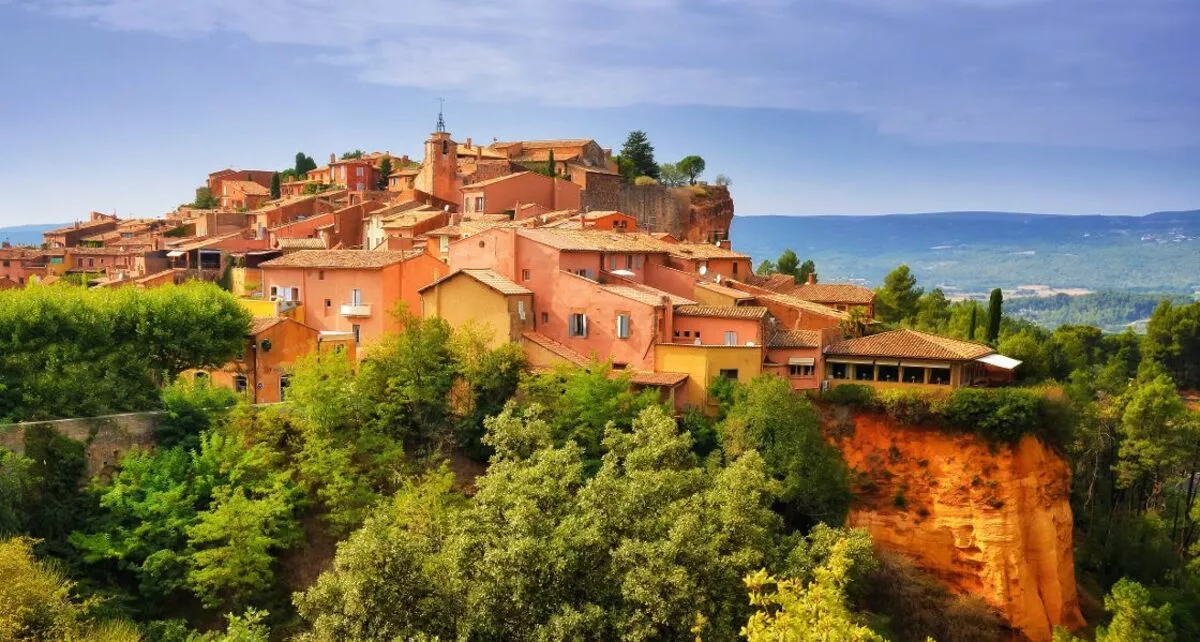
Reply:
x=809 y=106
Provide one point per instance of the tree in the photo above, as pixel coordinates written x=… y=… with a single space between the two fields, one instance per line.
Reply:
x=722 y=180
x=766 y=268
x=1173 y=341
x=692 y=167
x=639 y=153
x=304 y=164
x=897 y=299
x=551 y=166
x=933 y=311
x=671 y=175
x=1133 y=618
x=275 y=189
x=974 y=323
x=807 y=268
x=194 y=325
x=788 y=263
x=385 y=170
x=191 y=407
x=995 y=313
x=205 y=200
x=356 y=154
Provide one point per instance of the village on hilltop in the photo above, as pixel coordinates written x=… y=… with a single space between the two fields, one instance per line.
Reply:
x=541 y=242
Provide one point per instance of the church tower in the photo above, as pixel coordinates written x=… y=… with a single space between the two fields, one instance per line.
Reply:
x=439 y=170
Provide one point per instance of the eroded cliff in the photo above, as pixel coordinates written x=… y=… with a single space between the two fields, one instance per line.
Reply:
x=695 y=214
x=988 y=520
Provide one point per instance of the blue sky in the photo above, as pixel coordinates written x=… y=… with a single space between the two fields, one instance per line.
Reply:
x=810 y=106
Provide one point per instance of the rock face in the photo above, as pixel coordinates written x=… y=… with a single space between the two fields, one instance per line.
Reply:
x=696 y=215
x=990 y=521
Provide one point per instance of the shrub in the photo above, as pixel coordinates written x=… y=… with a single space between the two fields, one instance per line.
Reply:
x=908 y=406
x=996 y=415
x=851 y=394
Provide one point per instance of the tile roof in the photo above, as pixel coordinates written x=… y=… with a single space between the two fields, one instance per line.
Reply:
x=556 y=348
x=645 y=378
x=801 y=304
x=645 y=294
x=569 y=240
x=703 y=251
x=82 y=226
x=911 y=344
x=411 y=218
x=722 y=311
x=543 y=144
x=834 y=293
x=249 y=188
x=263 y=323
x=365 y=259
x=486 y=276
x=302 y=243
x=795 y=339
x=729 y=292
x=594 y=215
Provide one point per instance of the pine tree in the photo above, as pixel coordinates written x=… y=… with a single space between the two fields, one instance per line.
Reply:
x=640 y=154
x=788 y=263
x=974 y=316
x=385 y=169
x=807 y=268
x=995 y=311
x=275 y=190
x=550 y=165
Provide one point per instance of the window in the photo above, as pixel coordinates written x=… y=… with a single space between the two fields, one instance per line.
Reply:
x=622 y=326
x=545 y=317
x=6 y=263
x=687 y=333
x=239 y=383
x=889 y=373
x=274 y=292
x=361 y=186
x=284 y=382
x=800 y=371
x=612 y=262
x=320 y=275
x=443 y=244
x=328 y=305
x=295 y=294
x=735 y=268
x=479 y=203
x=525 y=274
x=729 y=373
x=91 y=262
x=357 y=330
x=910 y=374
x=521 y=309
x=359 y=172
x=637 y=261
x=577 y=327
x=939 y=376
x=356 y=297
x=628 y=261
x=839 y=371
x=864 y=372
x=730 y=338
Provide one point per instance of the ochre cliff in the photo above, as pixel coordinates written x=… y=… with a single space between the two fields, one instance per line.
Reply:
x=696 y=214
x=988 y=520
x=709 y=212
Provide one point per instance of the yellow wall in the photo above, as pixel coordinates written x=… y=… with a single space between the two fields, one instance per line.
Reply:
x=462 y=300
x=709 y=297
x=264 y=309
x=246 y=281
x=703 y=363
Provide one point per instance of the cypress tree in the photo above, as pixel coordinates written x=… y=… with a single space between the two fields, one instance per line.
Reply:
x=385 y=170
x=550 y=165
x=275 y=189
x=995 y=310
x=974 y=316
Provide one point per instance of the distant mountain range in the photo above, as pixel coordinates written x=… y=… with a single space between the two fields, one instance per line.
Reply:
x=26 y=234
x=971 y=252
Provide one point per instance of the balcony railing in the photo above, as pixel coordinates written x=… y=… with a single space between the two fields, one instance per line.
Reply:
x=349 y=310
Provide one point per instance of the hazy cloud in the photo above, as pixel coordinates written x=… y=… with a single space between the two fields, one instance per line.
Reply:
x=1105 y=73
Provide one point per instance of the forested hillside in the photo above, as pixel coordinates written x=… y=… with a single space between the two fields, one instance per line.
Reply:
x=473 y=499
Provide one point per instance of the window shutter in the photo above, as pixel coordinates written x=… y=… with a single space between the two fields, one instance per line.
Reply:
x=583 y=325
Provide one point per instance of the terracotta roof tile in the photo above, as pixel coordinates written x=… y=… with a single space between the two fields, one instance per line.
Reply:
x=486 y=276
x=569 y=240
x=365 y=259
x=833 y=293
x=795 y=339
x=801 y=304
x=701 y=251
x=911 y=344
x=248 y=188
x=555 y=347
x=722 y=311
x=645 y=294
x=729 y=292
x=493 y=181
x=263 y=323
x=644 y=378
x=302 y=243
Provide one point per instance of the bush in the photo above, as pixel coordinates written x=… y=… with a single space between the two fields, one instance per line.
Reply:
x=996 y=415
x=909 y=406
x=851 y=394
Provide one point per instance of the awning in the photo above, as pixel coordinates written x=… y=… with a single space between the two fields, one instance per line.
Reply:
x=1000 y=361
x=801 y=361
x=175 y=253
x=887 y=362
x=861 y=362
x=923 y=364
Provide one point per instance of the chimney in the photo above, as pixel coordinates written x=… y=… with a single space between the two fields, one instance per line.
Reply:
x=724 y=244
x=468 y=142
x=332 y=157
x=812 y=278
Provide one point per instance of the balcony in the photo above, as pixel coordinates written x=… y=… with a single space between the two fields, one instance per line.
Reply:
x=349 y=310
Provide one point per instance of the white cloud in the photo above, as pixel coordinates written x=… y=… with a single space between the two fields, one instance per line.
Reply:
x=1104 y=73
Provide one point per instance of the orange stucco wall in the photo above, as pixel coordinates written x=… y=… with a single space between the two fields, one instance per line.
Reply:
x=712 y=330
x=501 y=196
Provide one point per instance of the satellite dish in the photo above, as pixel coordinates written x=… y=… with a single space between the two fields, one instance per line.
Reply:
x=703 y=270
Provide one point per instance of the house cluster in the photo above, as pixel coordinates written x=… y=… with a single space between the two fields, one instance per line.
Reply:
x=521 y=238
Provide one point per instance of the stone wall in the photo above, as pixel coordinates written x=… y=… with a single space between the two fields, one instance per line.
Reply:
x=698 y=214
x=107 y=437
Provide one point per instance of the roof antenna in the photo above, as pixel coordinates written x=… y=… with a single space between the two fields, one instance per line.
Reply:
x=441 y=125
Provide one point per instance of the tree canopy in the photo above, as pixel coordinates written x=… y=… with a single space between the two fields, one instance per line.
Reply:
x=639 y=154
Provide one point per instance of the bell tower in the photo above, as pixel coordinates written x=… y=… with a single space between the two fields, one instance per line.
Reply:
x=439 y=170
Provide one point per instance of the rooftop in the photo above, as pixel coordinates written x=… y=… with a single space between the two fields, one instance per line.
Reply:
x=645 y=294
x=556 y=348
x=834 y=293
x=795 y=339
x=909 y=343
x=488 y=277
x=729 y=292
x=248 y=188
x=801 y=304
x=301 y=243
x=360 y=259
x=569 y=240
x=722 y=311
x=703 y=251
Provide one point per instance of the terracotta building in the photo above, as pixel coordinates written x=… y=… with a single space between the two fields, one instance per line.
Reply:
x=907 y=358
x=506 y=193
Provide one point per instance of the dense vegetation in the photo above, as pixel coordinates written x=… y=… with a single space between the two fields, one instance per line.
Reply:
x=1109 y=311
x=475 y=500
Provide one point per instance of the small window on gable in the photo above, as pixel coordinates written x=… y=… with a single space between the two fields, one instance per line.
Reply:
x=623 y=326
x=545 y=317
x=525 y=274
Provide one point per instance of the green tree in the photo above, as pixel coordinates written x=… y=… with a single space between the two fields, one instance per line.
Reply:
x=488 y=378
x=385 y=170
x=639 y=153
x=785 y=430
x=191 y=407
x=275 y=188
x=1133 y=618
x=995 y=312
x=1173 y=341
x=722 y=181
x=671 y=175
x=304 y=164
x=974 y=323
x=692 y=167
x=933 y=311
x=897 y=300
x=788 y=263
x=551 y=165
x=766 y=268
x=354 y=155
x=16 y=484
x=204 y=199
x=807 y=268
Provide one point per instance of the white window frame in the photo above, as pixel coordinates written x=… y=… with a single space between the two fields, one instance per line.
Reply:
x=578 y=325
x=521 y=309
x=731 y=338
x=623 y=322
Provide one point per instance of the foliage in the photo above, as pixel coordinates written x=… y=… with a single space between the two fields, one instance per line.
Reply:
x=36 y=602
x=692 y=167
x=639 y=153
x=204 y=199
x=855 y=395
x=190 y=408
x=909 y=605
x=766 y=268
x=722 y=181
x=783 y=427
x=671 y=175
x=354 y=155
x=1133 y=618
x=999 y=415
x=276 y=189
x=54 y=502
x=304 y=164
x=488 y=378
x=385 y=170
x=645 y=180
x=995 y=312
x=897 y=299
x=787 y=263
x=16 y=485
x=317 y=188
x=1173 y=341
x=1108 y=311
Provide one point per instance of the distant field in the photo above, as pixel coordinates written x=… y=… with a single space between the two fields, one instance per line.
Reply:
x=972 y=252
x=26 y=234
x=1109 y=311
